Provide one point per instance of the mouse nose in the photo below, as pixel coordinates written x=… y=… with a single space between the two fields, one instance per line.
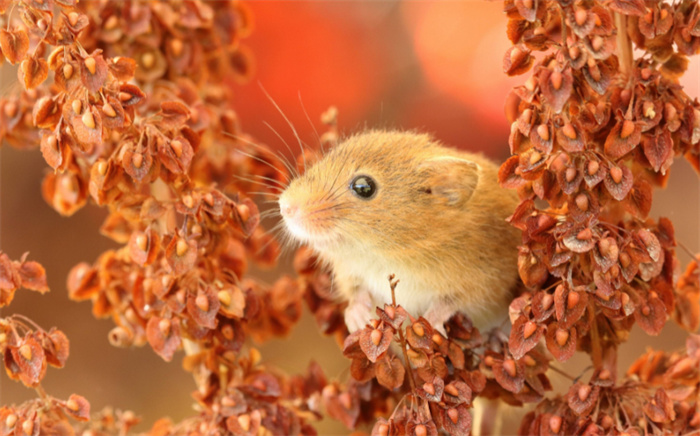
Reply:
x=288 y=210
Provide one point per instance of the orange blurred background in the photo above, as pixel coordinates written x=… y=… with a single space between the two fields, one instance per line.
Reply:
x=430 y=66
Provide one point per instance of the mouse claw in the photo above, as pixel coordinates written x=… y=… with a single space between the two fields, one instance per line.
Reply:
x=358 y=313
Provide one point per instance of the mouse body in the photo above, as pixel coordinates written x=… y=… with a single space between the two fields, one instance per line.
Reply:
x=391 y=202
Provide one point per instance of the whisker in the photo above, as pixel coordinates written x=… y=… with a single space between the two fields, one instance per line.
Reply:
x=303 y=108
x=257 y=182
x=264 y=162
x=282 y=185
x=280 y=156
x=264 y=193
x=291 y=126
x=293 y=169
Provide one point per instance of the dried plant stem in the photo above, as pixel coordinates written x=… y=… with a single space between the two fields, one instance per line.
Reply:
x=624 y=46
x=597 y=350
x=402 y=339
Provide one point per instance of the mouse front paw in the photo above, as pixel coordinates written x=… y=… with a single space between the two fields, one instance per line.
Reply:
x=358 y=313
x=438 y=314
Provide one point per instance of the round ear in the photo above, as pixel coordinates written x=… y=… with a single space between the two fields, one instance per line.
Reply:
x=450 y=178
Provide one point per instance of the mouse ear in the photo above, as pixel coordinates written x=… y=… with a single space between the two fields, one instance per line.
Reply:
x=451 y=178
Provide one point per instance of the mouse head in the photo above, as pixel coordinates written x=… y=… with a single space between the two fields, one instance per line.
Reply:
x=379 y=190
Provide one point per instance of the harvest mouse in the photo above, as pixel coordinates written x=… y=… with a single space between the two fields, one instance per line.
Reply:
x=390 y=202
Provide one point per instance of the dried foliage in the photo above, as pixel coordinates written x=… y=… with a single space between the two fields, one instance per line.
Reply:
x=130 y=104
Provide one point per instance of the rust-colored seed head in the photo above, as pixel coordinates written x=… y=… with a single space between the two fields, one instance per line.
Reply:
x=582 y=202
x=73 y=18
x=176 y=146
x=376 y=337
x=28 y=426
x=390 y=312
x=597 y=42
x=137 y=160
x=109 y=110
x=26 y=352
x=529 y=329
x=243 y=211
x=574 y=52
x=454 y=415
x=573 y=298
x=91 y=64
x=593 y=167
x=437 y=339
x=142 y=242
x=570 y=174
x=224 y=297
x=164 y=326
x=77 y=106
x=102 y=167
x=124 y=96
x=583 y=392
x=581 y=16
x=584 y=235
x=556 y=79
x=244 y=421
x=202 y=302
x=569 y=131
x=452 y=390
x=616 y=174
x=627 y=129
x=429 y=388
x=181 y=247
x=543 y=132
x=67 y=71
x=11 y=420
x=73 y=405
x=418 y=329
x=88 y=120
x=555 y=423
x=547 y=301
x=535 y=157
x=509 y=366
x=562 y=336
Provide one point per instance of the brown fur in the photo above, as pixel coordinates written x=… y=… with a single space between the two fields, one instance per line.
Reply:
x=437 y=222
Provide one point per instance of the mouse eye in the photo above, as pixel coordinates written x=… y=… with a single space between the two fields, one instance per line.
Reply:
x=363 y=186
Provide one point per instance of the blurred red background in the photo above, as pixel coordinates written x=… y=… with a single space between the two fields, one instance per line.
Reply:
x=433 y=67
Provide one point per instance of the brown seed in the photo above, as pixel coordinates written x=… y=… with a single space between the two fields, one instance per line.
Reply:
x=526 y=115
x=52 y=142
x=543 y=132
x=429 y=388
x=562 y=336
x=529 y=361
x=418 y=329
x=383 y=430
x=224 y=298
x=594 y=71
x=569 y=131
x=376 y=337
x=26 y=351
x=454 y=415
x=616 y=174
x=345 y=400
x=375 y=323
x=570 y=174
x=137 y=160
x=556 y=79
x=646 y=73
x=209 y=199
x=509 y=366
x=516 y=54
x=180 y=296
x=670 y=112
x=73 y=405
x=188 y=201
x=488 y=361
x=11 y=109
x=437 y=339
x=625 y=298
x=528 y=4
x=581 y=16
x=102 y=167
x=148 y=59
x=604 y=375
x=11 y=420
x=28 y=427
x=41 y=24
x=649 y=17
x=142 y=242
x=88 y=120
x=243 y=212
x=77 y=106
x=646 y=310
x=584 y=235
x=227 y=331
x=531 y=83
x=597 y=43
x=91 y=64
x=176 y=47
x=583 y=392
x=125 y=96
x=244 y=421
x=452 y=390
x=592 y=167
x=202 y=302
x=67 y=71
x=547 y=301
x=176 y=146
x=164 y=326
x=111 y=22
x=421 y=430
x=390 y=312
x=73 y=18
x=627 y=129
x=529 y=329
x=582 y=202
x=535 y=157
x=572 y=299
x=648 y=109
x=181 y=247
x=555 y=423
x=109 y=110
x=574 y=52
x=663 y=14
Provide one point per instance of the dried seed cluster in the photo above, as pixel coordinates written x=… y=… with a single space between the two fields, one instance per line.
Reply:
x=594 y=129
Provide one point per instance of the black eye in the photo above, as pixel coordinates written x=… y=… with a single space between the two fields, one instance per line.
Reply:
x=363 y=186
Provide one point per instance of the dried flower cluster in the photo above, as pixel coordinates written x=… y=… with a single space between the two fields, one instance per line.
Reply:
x=593 y=130
x=130 y=104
